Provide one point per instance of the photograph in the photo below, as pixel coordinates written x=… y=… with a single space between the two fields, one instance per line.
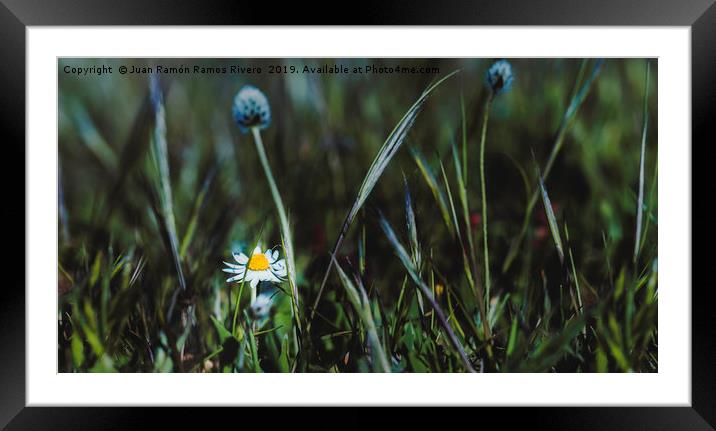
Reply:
x=351 y=215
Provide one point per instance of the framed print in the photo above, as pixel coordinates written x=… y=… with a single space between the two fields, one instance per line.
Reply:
x=399 y=213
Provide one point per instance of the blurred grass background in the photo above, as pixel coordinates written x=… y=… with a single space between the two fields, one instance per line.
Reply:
x=120 y=304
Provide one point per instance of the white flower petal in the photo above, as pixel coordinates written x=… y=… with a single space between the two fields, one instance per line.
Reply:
x=269 y=276
x=275 y=273
x=233 y=271
x=233 y=265
x=241 y=258
x=279 y=270
x=238 y=277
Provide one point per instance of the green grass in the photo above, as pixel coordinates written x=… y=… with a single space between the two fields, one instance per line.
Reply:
x=376 y=189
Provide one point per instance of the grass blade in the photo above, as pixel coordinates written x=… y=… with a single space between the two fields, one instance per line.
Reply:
x=381 y=161
x=93 y=139
x=462 y=194
x=566 y=122
x=454 y=227
x=434 y=187
x=159 y=162
x=412 y=226
x=573 y=268
x=551 y=350
x=425 y=290
x=551 y=219
x=198 y=206
x=650 y=205
x=465 y=259
x=360 y=302
x=640 y=201
x=453 y=213
x=413 y=235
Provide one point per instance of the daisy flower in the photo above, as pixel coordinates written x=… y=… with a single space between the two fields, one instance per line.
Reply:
x=261 y=266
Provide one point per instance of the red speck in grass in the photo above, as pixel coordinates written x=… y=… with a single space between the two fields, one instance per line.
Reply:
x=475 y=219
x=541 y=233
x=319 y=238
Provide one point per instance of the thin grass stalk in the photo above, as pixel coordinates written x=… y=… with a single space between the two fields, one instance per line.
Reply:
x=477 y=289
x=453 y=213
x=580 y=75
x=361 y=248
x=434 y=187
x=566 y=122
x=454 y=229
x=464 y=139
x=640 y=200
x=458 y=233
x=580 y=304
x=462 y=193
x=573 y=268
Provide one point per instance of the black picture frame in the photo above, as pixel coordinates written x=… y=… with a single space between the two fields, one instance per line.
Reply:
x=16 y=15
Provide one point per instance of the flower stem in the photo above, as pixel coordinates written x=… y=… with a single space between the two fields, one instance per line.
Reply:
x=486 y=115
x=283 y=220
x=269 y=177
x=236 y=310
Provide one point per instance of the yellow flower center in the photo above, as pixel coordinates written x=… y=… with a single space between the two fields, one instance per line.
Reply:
x=258 y=262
